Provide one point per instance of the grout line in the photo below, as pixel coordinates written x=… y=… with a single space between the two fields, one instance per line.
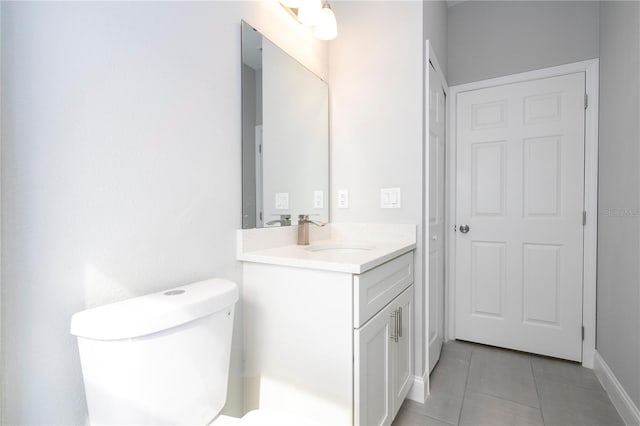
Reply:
x=464 y=393
x=535 y=382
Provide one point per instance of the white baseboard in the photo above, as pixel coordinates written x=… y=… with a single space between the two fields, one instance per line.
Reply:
x=621 y=400
x=420 y=389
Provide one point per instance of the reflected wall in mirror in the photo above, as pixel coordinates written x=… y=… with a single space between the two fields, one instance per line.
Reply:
x=285 y=137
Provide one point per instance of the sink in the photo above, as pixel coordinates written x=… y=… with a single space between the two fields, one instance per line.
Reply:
x=339 y=248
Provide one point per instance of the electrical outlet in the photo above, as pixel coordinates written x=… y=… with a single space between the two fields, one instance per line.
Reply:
x=318 y=199
x=343 y=199
x=282 y=201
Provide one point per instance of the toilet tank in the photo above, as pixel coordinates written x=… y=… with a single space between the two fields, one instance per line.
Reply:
x=158 y=359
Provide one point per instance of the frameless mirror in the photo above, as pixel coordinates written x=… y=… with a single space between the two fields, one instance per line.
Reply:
x=285 y=136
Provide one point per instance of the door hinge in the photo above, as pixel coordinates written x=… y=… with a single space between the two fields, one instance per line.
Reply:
x=260 y=149
x=584 y=218
x=586 y=101
x=583 y=333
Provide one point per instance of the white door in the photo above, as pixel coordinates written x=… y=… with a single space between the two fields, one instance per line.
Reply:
x=436 y=215
x=520 y=178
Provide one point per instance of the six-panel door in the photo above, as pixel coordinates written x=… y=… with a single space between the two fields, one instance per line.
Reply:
x=520 y=177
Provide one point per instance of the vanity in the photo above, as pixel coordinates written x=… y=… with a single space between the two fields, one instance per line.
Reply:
x=328 y=328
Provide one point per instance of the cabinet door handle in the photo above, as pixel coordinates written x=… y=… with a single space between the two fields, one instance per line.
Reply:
x=394 y=335
x=400 y=321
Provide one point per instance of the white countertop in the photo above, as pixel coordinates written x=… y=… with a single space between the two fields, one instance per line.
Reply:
x=356 y=262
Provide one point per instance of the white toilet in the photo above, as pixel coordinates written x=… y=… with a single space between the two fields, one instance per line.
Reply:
x=163 y=359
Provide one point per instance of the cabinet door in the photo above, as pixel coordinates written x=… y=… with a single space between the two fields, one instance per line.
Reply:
x=372 y=352
x=402 y=350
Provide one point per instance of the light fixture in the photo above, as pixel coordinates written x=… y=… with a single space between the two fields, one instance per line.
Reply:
x=312 y=13
x=309 y=11
x=291 y=4
x=326 y=26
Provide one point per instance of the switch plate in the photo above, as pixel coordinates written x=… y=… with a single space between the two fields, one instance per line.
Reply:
x=282 y=201
x=343 y=198
x=318 y=199
x=390 y=198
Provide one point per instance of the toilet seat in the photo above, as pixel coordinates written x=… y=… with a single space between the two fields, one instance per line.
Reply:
x=263 y=417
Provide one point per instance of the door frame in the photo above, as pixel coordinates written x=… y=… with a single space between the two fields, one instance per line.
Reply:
x=591 y=70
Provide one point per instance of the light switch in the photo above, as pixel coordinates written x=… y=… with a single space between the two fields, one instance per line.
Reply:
x=343 y=199
x=390 y=198
x=282 y=201
x=318 y=199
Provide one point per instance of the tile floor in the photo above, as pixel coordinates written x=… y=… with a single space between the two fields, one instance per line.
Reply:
x=482 y=385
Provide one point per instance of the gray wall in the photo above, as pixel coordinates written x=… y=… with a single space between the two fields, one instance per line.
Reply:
x=120 y=171
x=435 y=29
x=618 y=333
x=376 y=119
x=497 y=38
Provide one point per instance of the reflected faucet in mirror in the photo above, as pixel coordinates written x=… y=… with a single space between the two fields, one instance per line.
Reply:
x=285 y=220
x=303 y=228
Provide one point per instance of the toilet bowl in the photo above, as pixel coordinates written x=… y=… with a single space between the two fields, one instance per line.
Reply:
x=163 y=359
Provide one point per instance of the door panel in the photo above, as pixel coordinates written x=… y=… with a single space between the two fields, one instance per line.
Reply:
x=402 y=357
x=372 y=371
x=520 y=186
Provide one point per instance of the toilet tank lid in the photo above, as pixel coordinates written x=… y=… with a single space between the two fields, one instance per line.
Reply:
x=155 y=312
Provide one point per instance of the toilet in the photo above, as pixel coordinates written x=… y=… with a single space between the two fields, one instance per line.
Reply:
x=163 y=359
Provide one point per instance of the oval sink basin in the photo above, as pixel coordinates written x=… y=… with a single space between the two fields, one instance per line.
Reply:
x=339 y=248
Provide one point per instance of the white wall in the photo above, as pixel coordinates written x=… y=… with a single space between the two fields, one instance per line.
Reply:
x=435 y=29
x=618 y=332
x=489 y=39
x=376 y=119
x=120 y=170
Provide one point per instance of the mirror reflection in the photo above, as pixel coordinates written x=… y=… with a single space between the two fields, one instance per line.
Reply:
x=285 y=137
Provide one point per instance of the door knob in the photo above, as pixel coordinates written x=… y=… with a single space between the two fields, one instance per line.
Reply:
x=464 y=228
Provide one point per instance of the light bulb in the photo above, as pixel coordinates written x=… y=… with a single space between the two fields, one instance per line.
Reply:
x=309 y=11
x=326 y=26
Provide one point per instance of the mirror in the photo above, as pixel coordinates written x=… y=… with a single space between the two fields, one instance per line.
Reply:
x=285 y=137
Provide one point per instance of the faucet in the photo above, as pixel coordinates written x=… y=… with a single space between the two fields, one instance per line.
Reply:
x=303 y=228
x=285 y=220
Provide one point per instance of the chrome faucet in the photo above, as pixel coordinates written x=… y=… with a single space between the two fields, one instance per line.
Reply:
x=303 y=228
x=285 y=220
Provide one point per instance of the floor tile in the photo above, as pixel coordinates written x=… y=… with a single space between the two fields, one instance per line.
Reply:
x=480 y=409
x=447 y=386
x=567 y=405
x=407 y=417
x=449 y=376
x=457 y=349
x=565 y=372
x=442 y=406
x=504 y=374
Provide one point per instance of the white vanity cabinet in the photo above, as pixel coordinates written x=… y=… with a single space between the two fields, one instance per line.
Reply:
x=383 y=362
x=333 y=346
